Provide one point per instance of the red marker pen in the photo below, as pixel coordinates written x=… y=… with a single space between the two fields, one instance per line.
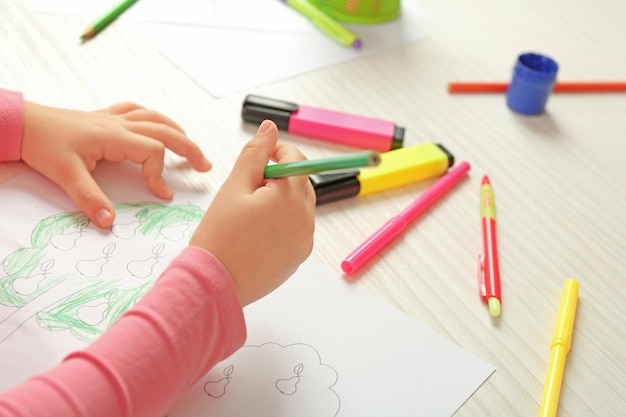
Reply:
x=489 y=270
x=333 y=126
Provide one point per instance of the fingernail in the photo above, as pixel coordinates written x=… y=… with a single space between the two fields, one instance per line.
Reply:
x=206 y=163
x=264 y=126
x=102 y=217
x=168 y=193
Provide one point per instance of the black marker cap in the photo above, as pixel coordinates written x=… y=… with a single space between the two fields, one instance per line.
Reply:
x=398 y=138
x=448 y=154
x=335 y=186
x=258 y=108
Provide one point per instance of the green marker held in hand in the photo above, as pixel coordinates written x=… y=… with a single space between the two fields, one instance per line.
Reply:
x=314 y=166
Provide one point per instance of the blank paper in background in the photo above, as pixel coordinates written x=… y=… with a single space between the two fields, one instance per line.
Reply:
x=318 y=346
x=225 y=61
x=227 y=48
x=243 y=14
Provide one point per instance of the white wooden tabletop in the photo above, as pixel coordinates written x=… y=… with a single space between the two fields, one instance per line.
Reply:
x=559 y=178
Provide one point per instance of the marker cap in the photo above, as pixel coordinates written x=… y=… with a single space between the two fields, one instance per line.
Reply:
x=494 y=306
x=331 y=187
x=255 y=109
x=534 y=77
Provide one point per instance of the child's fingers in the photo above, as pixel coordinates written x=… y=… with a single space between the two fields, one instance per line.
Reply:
x=134 y=112
x=121 y=108
x=174 y=140
x=76 y=180
x=153 y=124
x=249 y=169
x=284 y=153
x=145 y=151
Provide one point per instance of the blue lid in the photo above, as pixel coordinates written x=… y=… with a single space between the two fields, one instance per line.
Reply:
x=534 y=77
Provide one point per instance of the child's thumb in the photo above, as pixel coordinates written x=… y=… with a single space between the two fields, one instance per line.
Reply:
x=250 y=166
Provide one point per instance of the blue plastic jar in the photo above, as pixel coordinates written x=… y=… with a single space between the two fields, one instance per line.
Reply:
x=534 y=77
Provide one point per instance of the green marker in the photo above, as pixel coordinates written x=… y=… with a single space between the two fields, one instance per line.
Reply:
x=314 y=166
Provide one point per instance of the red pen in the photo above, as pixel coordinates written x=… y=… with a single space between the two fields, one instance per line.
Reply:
x=488 y=268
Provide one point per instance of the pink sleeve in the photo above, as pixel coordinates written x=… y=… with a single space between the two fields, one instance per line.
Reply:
x=11 y=125
x=190 y=320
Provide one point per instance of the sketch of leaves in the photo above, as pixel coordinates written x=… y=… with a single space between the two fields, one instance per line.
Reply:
x=68 y=315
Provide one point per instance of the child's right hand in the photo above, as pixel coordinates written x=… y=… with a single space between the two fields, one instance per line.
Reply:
x=260 y=229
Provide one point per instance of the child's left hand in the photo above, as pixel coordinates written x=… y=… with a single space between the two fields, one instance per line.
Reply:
x=65 y=145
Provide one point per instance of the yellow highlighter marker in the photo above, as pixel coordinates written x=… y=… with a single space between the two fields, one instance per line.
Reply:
x=398 y=167
x=561 y=342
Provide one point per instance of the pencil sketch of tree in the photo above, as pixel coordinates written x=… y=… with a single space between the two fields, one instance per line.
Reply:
x=74 y=276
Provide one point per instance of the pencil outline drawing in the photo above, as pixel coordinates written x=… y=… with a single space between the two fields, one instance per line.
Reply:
x=269 y=379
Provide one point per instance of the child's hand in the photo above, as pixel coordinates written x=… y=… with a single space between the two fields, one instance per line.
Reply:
x=261 y=230
x=65 y=145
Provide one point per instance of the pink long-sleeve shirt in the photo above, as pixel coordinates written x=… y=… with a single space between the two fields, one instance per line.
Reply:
x=190 y=320
x=11 y=124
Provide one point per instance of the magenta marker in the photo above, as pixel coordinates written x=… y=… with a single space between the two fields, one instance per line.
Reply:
x=397 y=224
x=332 y=126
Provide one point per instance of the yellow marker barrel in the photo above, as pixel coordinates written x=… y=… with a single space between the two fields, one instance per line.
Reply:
x=561 y=342
x=404 y=166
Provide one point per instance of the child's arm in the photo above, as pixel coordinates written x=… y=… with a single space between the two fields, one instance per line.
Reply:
x=11 y=124
x=257 y=232
x=185 y=324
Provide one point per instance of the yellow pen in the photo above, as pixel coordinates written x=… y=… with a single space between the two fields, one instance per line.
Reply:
x=561 y=342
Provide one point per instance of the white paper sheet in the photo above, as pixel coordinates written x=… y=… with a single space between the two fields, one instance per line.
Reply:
x=234 y=45
x=226 y=61
x=243 y=14
x=318 y=346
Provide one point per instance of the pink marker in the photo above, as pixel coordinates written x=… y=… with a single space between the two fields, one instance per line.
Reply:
x=396 y=225
x=333 y=126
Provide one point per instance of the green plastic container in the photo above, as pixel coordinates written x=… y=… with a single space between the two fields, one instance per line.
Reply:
x=359 y=11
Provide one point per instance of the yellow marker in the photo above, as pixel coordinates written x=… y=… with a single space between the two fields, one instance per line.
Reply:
x=561 y=342
x=398 y=167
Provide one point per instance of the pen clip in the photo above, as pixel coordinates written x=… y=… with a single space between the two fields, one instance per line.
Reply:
x=482 y=287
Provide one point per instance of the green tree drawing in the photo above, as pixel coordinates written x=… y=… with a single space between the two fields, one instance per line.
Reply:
x=53 y=268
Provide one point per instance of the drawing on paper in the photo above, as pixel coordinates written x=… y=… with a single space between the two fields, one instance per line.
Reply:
x=270 y=379
x=216 y=389
x=74 y=276
x=289 y=386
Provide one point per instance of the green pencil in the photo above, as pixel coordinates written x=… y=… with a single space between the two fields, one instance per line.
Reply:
x=314 y=166
x=97 y=26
